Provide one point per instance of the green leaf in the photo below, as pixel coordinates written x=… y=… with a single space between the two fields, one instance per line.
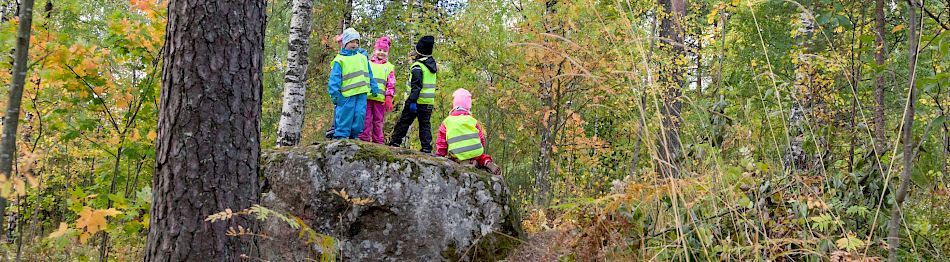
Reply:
x=858 y=210
x=745 y=202
x=69 y=136
x=849 y=243
x=938 y=121
x=926 y=84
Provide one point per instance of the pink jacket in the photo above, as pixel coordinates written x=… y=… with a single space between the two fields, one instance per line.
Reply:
x=390 y=81
x=442 y=146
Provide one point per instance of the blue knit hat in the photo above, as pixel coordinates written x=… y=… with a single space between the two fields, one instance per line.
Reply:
x=350 y=34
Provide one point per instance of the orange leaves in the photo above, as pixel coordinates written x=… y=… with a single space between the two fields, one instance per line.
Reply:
x=91 y=221
x=17 y=185
x=61 y=231
x=142 y=5
x=151 y=9
x=353 y=200
x=897 y=28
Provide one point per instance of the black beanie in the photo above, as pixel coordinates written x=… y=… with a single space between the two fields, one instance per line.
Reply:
x=424 y=46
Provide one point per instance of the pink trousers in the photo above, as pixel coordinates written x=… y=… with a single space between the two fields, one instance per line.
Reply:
x=373 y=125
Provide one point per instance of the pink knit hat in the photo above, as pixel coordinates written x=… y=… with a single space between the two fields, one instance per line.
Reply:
x=382 y=44
x=338 y=39
x=462 y=98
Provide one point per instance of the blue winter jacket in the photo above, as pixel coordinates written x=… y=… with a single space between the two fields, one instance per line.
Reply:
x=336 y=76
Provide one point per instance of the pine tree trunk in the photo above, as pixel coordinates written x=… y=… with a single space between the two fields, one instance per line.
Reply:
x=295 y=81
x=208 y=130
x=12 y=117
x=879 y=48
x=907 y=134
x=671 y=30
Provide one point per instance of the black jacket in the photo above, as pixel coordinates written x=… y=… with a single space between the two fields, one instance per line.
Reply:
x=415 y=78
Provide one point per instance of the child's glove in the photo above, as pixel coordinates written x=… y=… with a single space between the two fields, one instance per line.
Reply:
x=412 y=108
x=389 y=104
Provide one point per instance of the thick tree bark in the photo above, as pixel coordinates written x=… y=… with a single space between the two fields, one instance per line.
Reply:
x=295 y=80
x=907 y=134
x=879 y=138
x=12 y=117
x=208 y=130
x=671 y=30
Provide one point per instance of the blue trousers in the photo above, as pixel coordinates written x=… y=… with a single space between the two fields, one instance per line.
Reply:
x=349 y=116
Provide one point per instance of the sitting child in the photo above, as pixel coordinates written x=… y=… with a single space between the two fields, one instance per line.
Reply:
x=461 y=138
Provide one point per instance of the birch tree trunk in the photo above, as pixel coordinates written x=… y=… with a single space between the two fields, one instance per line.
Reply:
x=795 y=157
x=295 y=80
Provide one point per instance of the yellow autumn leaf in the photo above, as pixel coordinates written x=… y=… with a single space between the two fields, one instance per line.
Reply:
x=897 y=28
x=84 y=236
x=62 y=230
x=151 y=135
x=94 y=220
x=850 y=243
x=711 y=17
x=89 y=64
x=121 y=103
x=88 y=221
x=361 y=201
x=342 y=194
x=135 y=135
x=114 y=139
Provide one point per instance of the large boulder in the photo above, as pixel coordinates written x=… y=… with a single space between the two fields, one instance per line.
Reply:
x=421 y=208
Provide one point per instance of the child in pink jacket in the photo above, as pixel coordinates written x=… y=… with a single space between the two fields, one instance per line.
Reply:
x=378 y=106
x=462 y=106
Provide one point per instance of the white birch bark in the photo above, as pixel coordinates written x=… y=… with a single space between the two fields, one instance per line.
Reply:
x=295 y=80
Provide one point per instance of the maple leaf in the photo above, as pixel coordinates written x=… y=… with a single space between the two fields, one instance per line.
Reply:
x=62 y=230
x=93 y=220
x=897 y=28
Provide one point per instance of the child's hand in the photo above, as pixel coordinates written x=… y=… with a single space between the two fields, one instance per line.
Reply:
x=335 y=99
x=389 y=104
x=412 y=108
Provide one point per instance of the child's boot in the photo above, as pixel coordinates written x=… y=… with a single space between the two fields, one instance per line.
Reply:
x=493 y=168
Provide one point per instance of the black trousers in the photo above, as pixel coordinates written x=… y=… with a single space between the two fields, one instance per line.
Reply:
x=423 y=114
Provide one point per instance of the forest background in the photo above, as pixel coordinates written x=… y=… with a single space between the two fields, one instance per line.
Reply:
x=664 y=130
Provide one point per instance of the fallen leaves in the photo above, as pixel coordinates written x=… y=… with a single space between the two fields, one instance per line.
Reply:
x=353 y=200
